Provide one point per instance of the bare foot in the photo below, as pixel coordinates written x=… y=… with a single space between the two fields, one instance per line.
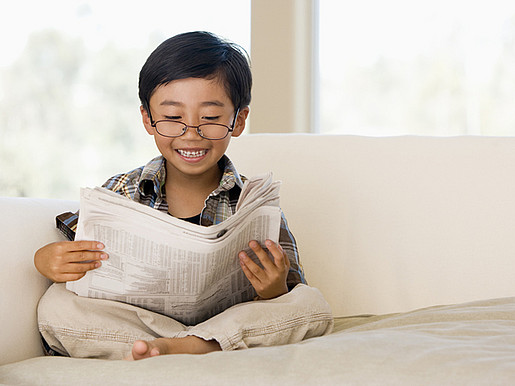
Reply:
x=164 y=346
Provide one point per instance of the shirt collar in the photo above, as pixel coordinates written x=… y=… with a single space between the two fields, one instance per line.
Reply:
x=230 y=176
x=153 y=177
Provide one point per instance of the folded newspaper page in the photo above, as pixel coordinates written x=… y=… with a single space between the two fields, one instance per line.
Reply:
x=167 y=265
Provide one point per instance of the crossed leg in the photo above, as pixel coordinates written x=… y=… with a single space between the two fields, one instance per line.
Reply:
x=97 y=328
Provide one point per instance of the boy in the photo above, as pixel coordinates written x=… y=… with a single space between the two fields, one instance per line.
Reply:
x=195 y=94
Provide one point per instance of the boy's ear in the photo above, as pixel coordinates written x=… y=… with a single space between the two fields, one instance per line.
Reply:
x=241 y=120
x=146 y=121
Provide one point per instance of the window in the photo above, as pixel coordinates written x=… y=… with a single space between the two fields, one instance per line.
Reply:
x=69 y=111
x=444 y=67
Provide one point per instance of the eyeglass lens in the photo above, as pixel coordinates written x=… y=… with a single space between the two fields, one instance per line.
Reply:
x=176 y=129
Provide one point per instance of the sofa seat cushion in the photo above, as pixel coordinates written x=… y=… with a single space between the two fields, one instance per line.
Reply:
x=470 y=343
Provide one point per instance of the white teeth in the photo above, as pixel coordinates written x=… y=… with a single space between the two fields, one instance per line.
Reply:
x=192 y=154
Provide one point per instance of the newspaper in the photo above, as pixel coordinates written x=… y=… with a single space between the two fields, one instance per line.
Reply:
x=167 y=265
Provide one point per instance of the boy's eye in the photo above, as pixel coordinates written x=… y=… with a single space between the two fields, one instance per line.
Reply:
x=212 y=118
x=173 y=117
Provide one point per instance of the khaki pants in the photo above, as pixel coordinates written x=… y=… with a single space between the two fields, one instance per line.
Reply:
x=96 y=328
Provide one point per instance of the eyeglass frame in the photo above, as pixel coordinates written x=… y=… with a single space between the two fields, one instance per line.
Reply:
x=230 y=129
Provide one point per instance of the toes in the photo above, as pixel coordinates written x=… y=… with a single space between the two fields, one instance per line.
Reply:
x=154 y=352
x=140 y=349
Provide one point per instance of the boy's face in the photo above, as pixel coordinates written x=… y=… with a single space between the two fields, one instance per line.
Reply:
x=193 y=101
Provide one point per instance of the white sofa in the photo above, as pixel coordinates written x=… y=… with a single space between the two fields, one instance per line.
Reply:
x=418 y=231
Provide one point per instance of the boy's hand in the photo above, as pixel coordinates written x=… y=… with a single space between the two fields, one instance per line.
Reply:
x=269 y=281
x=69 y=260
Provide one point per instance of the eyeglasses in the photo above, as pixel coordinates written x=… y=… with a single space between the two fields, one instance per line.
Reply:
x=213 y=131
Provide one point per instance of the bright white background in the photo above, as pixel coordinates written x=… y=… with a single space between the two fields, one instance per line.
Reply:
x=440 y=67
x=69 y=112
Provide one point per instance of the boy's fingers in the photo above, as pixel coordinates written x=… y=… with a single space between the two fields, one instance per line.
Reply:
x=249 y=275
x=79 y=257
x=262 y=255
x=249 y=266
x=277 y=253
x=285 y=257
x=85 y=245
x=82 y=267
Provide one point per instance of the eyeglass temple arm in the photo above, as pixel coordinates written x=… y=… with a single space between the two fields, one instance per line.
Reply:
x=147 y=109
x=235 y=116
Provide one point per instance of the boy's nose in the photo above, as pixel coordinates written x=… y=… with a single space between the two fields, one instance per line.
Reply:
x=191 y=132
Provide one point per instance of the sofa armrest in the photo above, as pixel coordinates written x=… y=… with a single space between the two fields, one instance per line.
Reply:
x=25 y=225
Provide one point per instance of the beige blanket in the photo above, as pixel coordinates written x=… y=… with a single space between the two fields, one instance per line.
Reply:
x=466 y=344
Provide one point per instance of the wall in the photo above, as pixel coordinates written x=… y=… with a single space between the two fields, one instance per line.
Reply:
x=282 y=51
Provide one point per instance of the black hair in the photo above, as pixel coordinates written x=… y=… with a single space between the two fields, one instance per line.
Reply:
x=198 y=55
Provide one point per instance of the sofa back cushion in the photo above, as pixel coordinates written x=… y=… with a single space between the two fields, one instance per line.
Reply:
x=393 y=224
x=25 y=226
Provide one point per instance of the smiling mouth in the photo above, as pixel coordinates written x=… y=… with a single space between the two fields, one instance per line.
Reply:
x=192 y=153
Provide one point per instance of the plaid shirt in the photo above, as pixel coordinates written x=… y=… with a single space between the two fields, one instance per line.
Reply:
x=146 y=185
